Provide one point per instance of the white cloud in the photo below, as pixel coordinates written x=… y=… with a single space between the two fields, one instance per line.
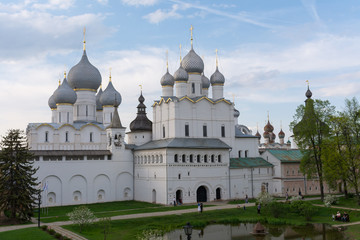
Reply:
x=104 y=2
x=140 y=2
x=160 y=15
x=54 y=4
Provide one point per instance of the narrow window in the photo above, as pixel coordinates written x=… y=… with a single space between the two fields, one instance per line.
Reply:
x=175 y=158
x=193 y=87
x=191 y=158
x=219 y=158
x=66 y=136
x=59 y=117
x=183 y=158
x=91 y=137
x=46 y=136
x=163 y=131
x=246 y=153
x=212 y=158
x=87 y=110
x=179 y=176
x=240 y=154
x=68 y=117
x=222 y=131
x=186 y=130
x=205 y=158
x=204 y=131
x=198 y=158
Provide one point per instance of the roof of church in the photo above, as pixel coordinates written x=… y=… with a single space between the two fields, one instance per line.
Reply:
x=76 y=125
x=70 y=152
x=198 y=143
x=240 y=134
x=191 y=99
x=115 y=122
x=290 y=155
x=249 y=162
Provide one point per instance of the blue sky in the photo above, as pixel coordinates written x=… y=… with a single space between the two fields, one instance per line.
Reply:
x=267 y=50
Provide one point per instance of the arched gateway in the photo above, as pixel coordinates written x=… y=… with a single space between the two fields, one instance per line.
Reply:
x=201 y=194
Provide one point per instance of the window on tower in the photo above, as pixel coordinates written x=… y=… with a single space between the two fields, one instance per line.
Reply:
x=68 y=117
x=246 y=153
x=222 y=131
x=204 y=131
x=91 y=137
x=66 y=136
x=187 y=130
x=193 y=87
x=163 y=131
x=46 y=136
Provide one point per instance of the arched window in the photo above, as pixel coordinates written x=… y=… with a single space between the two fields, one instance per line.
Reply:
x=175 y=158
x=246 y=153
x=219 y=158
x=205 y=158
x=163 y=131
x=191 y=158
x=193 y=87
x=91 y=137
x=222 y=131
x=212 y=158
x=187 y=132
x=46 y=136
x=183 y=158
x=66 y=136
x=198 y=158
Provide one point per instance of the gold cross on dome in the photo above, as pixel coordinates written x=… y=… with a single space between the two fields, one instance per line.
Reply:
x=110 y=75
x=140 y=87
x=191 y=30
x=180 y=52
x=84 y=39
x=217 y=62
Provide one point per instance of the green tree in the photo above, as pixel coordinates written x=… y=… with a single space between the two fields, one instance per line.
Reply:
x=105 y=224
x=81 y=216
x=17 y=181
x=310 y=128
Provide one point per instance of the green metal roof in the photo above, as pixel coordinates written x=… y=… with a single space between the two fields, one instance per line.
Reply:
x=287 y=156
x=249 y=162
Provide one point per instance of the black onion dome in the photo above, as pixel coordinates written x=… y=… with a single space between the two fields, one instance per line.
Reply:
x=51 y=102
x=281 y=134
x=64 y=94
x=268 y=127
x=192 y=63
x=205 y=81
x=98 y=103
x=84 y=75
x=110 y=97
x=167 y=79
x=141 y=122
x=308 y=93
x=181 y=75
x=217 y=77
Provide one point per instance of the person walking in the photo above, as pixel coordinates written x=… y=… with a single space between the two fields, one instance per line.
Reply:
x=246 y=198
x=258 y=208
x=199 y=207
x=174 y=200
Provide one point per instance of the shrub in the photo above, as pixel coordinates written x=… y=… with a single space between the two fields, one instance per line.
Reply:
x=308 y=211
x=264 y=198
x=58 y=235
x=330 y=200
x=153 y=234
x=295 y=198
x=296 y=206
x=52 y=231
x=44 y=227
x=276 y=209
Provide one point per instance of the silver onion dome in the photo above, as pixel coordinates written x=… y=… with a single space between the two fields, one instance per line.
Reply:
x=192 y=63
x=236 y=113
x=110 y=97
x=65 y=94
x=98 y=103
x=167 y=79
x=181 y=75
x=205 y=81
x=84 y=75
x=217 y=77
x=51 y=102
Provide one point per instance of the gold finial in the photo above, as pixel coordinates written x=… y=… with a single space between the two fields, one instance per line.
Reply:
x=191 y=30
x=65 y=74
x=59 y=82
x=217 y=62
x=167 y=60
x=84 y=47
x=307 y=81
x=268 y=116
x=100 y=85
x=140 y=87
x=180 y=52
x=110 y=75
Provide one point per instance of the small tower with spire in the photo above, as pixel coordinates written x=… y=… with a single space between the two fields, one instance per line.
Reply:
x=115 y=136
x=281 y=135
x=167 y=81
x=217 y=81
x=181 y=77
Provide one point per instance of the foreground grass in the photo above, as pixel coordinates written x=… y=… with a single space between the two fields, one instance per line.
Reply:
x=26 y=233
x=130 y=229
x=353 y=232
x=109 y=209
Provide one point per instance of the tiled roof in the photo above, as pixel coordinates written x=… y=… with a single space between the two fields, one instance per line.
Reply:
x=249 y=162
x=198 y=143
x=290 y=155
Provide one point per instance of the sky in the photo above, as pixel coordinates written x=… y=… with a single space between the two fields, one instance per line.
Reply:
x=267 y=50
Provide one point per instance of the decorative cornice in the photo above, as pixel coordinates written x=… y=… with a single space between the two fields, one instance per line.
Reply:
x=217 y=84
x=84 y=89
x=66 y=104
x=45 y=124
x=67 y=125
x=180 y=81
x=90 y=124
x=194 y=73
x=167 y=86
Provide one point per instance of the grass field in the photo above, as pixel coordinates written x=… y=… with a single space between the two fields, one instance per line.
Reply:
x=26 y=234
x=109 y=209
x=353 y=232
x=129 y=229
x=343 y=202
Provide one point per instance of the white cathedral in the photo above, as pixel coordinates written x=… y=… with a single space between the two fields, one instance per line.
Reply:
x=194 y=150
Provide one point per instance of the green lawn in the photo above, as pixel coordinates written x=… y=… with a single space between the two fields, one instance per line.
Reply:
x=129 y=229
x=26 y=233
x=343 y=202
x=110 y=209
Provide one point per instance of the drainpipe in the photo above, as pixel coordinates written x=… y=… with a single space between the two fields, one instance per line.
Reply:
x=252 y=183
x=229 y=174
